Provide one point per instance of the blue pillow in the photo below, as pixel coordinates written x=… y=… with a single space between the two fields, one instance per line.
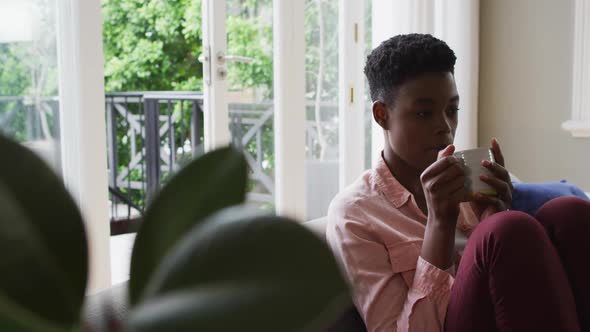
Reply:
x=529 y=197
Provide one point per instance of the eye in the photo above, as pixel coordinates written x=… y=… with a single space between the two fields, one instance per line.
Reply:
x=424 y=114
x=453 y=111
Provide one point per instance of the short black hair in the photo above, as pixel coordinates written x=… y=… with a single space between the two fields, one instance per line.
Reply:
x=402 y=58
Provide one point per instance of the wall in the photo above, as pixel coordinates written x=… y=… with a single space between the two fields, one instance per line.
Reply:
x=526 y=49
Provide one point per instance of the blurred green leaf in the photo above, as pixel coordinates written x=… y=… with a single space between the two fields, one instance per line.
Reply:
x=228 y=307
x=208 y=184
x=264 y=271
x=15 y=319
x=42 y=238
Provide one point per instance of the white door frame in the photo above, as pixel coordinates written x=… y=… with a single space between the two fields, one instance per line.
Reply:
x=216 y=115
x=83 y=127
x=351 y=33
x=289 y=101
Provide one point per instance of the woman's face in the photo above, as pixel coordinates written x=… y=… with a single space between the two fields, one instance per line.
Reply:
x=423 y=119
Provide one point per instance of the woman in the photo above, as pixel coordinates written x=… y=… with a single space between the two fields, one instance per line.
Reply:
x=395 y=228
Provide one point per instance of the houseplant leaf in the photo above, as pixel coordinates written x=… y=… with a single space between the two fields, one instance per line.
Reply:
x=16 y=319
x=42 y=238
x=258 y=306
x=282 y=267
x=209 y=183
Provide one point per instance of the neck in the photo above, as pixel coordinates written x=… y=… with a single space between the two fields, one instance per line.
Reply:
x=406 y=175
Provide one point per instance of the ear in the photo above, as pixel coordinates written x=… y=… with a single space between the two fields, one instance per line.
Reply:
x=380 y=114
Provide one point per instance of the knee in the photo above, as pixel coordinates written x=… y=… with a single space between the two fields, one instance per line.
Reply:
x=565 y=217
x=563 y=207
x=512 y=237
x=509 y=228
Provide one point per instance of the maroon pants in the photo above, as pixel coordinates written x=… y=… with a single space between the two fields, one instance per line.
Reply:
x=520 y=273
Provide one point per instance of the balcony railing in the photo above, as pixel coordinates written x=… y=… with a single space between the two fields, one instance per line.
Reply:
x=29 y=118
x=150 y=135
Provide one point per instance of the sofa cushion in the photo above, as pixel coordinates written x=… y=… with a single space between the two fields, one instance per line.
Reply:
x=529 y=197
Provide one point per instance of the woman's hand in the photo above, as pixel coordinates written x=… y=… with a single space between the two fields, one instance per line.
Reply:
x=500 y=182
x=443 y=183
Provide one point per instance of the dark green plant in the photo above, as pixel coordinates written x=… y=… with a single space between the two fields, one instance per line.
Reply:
x=201 y=261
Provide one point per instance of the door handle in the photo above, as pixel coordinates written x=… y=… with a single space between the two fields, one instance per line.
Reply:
x=238 y=58
x=222 y=58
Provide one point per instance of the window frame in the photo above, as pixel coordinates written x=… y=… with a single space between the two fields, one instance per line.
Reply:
x=579 y=123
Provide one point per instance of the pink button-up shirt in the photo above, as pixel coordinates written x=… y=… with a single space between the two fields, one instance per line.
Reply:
x=376 y=229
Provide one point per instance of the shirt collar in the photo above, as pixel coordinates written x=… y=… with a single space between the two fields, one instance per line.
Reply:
x=389 y=185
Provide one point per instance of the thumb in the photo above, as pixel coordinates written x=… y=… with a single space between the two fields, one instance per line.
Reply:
x=448 y=151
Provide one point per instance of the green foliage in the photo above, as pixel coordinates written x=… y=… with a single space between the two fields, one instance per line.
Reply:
x=258 y=73
x=15 y=74
x=29 y=68
x=232 y=263
x=196 y=264
x=152 y=45
x=15 y=318
x=184 y=201
x=42 y=238
x=313 y=51
x=271 y=266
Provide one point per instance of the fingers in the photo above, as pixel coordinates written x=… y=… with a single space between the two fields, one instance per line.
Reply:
x=445 y=190
x=458 y=193
x=502 y=188
x=449 y=194
x=497 y=152
x=448 y=151
x=498 y=171
x=443 y=186
x=451 y=173
x=443 y=183
x=490 y=200
x=438 y=176
x=441 y=165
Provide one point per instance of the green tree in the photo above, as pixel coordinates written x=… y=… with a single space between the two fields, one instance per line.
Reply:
x=249 y=31
x=28 y=69
x=152 y=45
x=155 y=45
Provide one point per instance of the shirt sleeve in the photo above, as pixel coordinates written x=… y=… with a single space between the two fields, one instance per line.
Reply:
x=391 y=294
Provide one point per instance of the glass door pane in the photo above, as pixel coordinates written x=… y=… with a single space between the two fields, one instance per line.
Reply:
x=250 y=92
x=154 y=100
x=321 y=68
x=29 y=96
x=154 y=105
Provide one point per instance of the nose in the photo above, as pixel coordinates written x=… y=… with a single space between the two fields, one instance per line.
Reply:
x=445 y=124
